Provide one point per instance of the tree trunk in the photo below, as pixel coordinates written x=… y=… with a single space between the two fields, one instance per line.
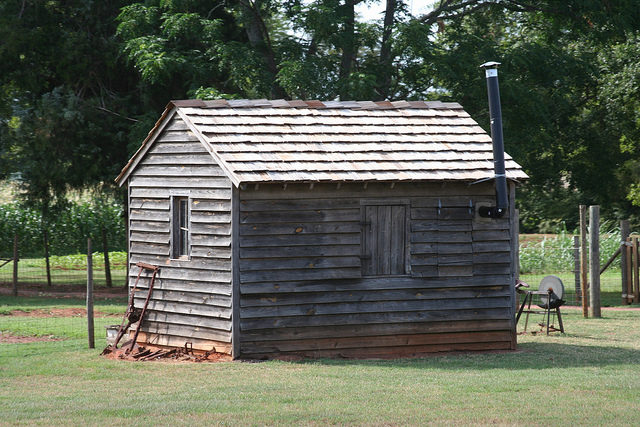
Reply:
x=384 y=76
x=348 y=47
x=258 y=35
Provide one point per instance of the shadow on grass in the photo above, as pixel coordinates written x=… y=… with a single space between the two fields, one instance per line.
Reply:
x=537 y=356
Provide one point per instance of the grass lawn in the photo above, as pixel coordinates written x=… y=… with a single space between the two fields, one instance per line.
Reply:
x=589 y=376
x=66 y=270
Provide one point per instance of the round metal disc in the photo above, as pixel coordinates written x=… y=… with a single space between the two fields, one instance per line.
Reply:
x=555 y=284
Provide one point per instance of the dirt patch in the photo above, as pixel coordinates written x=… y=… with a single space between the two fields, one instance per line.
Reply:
x=532 y=239
x=9 y=338
x=635 y=307
x=63 y=291
x=59 y=312
x=150 y=353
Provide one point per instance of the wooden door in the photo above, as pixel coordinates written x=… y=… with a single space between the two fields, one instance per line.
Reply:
x=384 y=240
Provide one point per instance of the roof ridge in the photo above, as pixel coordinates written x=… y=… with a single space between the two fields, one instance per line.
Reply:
x=316 y=104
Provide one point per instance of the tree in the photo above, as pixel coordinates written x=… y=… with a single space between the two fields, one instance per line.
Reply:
x=554 y=97
x=66 y=113
x=72 y=70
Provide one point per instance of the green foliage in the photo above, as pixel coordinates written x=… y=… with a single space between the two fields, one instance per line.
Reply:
x=65 y=96
x=568 y=89
x=555 y=254
x=68 y=229
x=79 y=261
x=81 y=83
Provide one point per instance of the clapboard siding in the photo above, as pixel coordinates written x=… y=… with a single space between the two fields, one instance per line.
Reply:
x=433 y=284
x=304 y=238
x=385 y=346
x=381 y=296
x=192 y=297
x=302 y=284
x=317 y=308
x=210 y=287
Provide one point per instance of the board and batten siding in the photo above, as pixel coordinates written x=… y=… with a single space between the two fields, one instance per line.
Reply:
x=191 y=300
x=308 y=285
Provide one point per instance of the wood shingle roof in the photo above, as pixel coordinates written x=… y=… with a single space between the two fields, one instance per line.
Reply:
x=257 y=141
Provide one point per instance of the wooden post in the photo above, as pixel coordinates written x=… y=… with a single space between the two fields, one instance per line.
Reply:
x=636 y=271
x=624 y=234
x=594 y=260
x=107 y=266
x=576 y=268
x=236 y=348
x=629 y=269
x=90 y=332
x=583 y=260
x=16 y=259
x=45 y=235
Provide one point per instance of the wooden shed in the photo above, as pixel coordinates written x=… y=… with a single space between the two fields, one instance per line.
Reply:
x=338 y=229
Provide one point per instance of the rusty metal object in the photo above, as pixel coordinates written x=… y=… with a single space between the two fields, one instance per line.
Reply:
x=180 y=354
x=133 y=314
x=155 y=269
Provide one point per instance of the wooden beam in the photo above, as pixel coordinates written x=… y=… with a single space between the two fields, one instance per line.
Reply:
x=594 y=260
x=583 y=259
x=624 y=234
x=235 y=273
x=636 y=272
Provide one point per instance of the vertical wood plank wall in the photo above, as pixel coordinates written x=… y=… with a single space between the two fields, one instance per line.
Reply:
x=303 y=290
x=191 y=301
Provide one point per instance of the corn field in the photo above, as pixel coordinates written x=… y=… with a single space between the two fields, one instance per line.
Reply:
x=556 y=255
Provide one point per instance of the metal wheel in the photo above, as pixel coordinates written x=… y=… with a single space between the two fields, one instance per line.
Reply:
x=555 y=284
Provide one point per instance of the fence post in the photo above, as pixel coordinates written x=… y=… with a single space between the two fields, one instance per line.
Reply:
x=576 y=268
x=629 y=291
x=594 y=259
x=16 y=259
x=107 y=266
x=90 y=331
x=636 y=271
x=624 y=234
x=45 y=235
x=583 y=260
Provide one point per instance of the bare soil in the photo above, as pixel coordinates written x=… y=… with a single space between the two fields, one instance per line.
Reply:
x=9 y=338
x=56 y=291
x=532 y=239
x=63 y=291
x=59 y=312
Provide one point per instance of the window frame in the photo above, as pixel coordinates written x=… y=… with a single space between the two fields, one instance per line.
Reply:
x=180 y=227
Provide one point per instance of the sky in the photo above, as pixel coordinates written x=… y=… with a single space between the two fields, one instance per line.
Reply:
x=373 y=10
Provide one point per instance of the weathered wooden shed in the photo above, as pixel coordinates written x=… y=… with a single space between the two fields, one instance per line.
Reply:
x=322 y=229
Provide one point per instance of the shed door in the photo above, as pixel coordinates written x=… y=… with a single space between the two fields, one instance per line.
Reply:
x=384 y=240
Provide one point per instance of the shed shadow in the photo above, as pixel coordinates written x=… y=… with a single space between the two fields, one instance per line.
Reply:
x=529 y=356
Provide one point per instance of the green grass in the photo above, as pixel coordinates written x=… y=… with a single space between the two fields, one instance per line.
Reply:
x=110 y=306
x=107 y=312
x=588 y=376
x=68 y=270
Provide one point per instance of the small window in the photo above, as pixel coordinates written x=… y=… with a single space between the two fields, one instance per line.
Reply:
x=180 y=247
x=384 y=240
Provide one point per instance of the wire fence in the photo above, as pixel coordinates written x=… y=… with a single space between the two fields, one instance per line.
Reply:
x=23 y=332
x=52 y=307
x=42 y=315
x=65 y=271
x=559 y=255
